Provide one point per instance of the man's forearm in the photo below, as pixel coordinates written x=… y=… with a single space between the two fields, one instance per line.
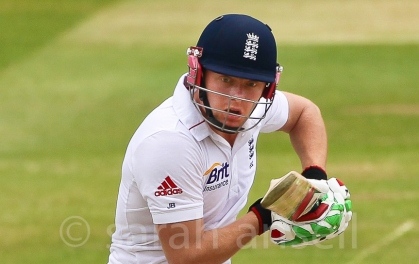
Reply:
x=187 y=243
x=309 y=138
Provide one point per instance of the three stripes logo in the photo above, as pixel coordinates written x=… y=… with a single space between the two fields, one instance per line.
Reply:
x=167 y=187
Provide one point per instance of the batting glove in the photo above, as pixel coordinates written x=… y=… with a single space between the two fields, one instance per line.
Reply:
x=330 y=218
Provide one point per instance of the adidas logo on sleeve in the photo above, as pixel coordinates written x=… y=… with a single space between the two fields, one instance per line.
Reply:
x=167 y=187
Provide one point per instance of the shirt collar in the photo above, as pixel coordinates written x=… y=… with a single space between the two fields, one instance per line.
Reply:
x=187 y=112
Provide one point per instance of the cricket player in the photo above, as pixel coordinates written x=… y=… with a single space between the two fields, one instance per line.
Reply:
x=190 y=165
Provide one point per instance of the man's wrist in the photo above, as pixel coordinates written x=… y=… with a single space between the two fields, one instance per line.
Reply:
x=314 y=172
x=263 y=215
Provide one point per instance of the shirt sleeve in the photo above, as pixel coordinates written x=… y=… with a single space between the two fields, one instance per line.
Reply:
x=277 y=115
x=167 y=167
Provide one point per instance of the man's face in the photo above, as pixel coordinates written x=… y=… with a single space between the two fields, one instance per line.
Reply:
x=234 y=111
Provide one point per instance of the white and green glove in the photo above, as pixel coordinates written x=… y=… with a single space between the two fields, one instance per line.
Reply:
x=330 y=218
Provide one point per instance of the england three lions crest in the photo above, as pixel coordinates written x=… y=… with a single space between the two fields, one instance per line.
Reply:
x=251 y=46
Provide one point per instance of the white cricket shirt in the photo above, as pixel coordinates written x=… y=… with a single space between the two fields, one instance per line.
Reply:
x=177 y=169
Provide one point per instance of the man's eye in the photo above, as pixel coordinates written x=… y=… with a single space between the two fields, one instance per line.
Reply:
x=251 y=84
x=225 y=79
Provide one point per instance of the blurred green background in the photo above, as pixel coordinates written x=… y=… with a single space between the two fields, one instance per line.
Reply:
x=78 y=77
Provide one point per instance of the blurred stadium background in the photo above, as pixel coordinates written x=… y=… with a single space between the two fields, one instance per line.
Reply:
x=77 y=77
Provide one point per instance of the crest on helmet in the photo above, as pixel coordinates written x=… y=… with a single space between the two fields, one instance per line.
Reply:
x=251 y=46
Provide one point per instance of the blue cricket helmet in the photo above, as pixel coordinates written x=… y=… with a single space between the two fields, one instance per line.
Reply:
x=241 y=46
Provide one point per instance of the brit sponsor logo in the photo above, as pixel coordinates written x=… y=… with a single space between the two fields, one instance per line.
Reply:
x=167 y=187
x=218 y=176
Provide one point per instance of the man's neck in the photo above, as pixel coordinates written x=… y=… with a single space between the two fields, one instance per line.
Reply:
x=229 y=137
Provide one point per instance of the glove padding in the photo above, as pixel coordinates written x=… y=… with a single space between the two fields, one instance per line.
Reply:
x=330 y=218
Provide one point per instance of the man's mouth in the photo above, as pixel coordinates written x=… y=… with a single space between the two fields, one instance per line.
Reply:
x=234 y=112
x=233 y=115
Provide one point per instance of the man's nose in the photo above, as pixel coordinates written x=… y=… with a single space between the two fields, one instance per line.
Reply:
x=237 y=90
